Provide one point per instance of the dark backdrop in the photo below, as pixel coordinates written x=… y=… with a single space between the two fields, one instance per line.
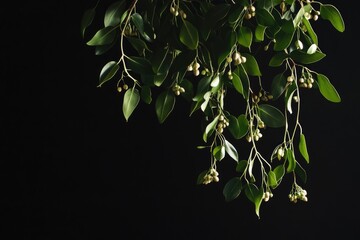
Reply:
x=72 y=168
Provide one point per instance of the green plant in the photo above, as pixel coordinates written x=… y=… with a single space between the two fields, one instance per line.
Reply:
x=204 y=50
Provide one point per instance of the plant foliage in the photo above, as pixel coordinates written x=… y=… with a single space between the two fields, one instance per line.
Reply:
x=204 y=50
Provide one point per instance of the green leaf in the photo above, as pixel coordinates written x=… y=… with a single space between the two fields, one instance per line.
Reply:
x=300 y=15
x=272 y=179
x=86 y=20
x=331 y=13
x=304 y=58
x=202 y=87
x=251 y=66
x=255 y=195
x=260 y=33
x=237 y=84
x=303 y=148
x=278 y=85
x=238 y=127
x=103 y=36
x=271 y=116
x=290 y=156
x=244 y=36
x=240 y=71
x=327 y=89
x=130 y=102
x=279 y=172
x=241 y=166
x=232 y=189
x=277 y=59
x=139 y=65
x=200 y=178
x=108 y=72
x=189 y=35
x=138 y=44
x=310 y=31
x=219 y=152
x=231 y=150
x=264 y=17
x=210 y=128
x=284 y=36
x=138 y=21
x=145 y=94
x=113 y=14
x=164 y=105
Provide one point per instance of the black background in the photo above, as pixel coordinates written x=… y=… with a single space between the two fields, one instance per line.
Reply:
x=72 y=168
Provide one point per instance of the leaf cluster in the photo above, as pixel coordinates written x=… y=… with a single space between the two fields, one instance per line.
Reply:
x=203 y=51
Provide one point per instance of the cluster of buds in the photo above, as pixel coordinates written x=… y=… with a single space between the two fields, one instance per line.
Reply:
x=194 y=67
x=256 y=135
x=176 y=11
x=313 y=14
x=177 y=89
x=298 y=194
x=306 y=81
x=237 y=58
x=211 y=176
x=123 y=87
x=262 y=95
x=267 y=195
x=250 y=11
x=222 y=123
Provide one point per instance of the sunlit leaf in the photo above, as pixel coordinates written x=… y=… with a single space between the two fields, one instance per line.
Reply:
x=327 y=89
x=303 y=147
x=310 y=31
x=290 y=156
x=130 y=102
x=331 y=13
x=272 y=179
